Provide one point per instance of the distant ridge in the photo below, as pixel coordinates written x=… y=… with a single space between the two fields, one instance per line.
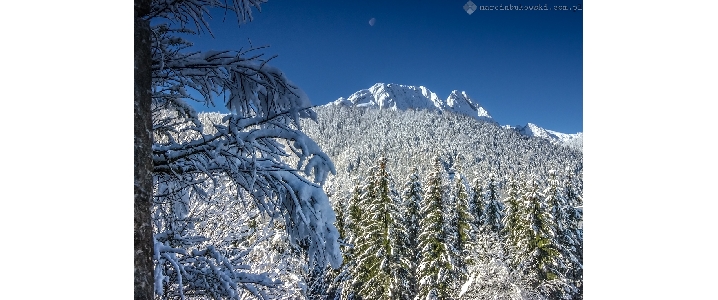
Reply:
x=574 y=140
x=402 y=97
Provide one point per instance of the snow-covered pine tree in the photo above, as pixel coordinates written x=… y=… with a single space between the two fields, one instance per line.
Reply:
x=350 y=285
x=540 y=255
x=247 y=148
x=565 y=238
x=318 y=280
x=411 y=197
x=451 y=226
x=464 y=236
x=489 y=275
x=514 y=231
x=340 y=208
x=378 y=260
x=336 y=277
x=494 y=211
x=435 y=264
x=574 y=234
x=477 y=205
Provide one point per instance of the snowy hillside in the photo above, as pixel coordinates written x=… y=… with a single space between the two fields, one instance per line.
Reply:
x=574 y=140
x=352 y=137
x=405 y=97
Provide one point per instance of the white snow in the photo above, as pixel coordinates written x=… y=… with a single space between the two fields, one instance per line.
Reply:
x=571 y=140
x=402 y=97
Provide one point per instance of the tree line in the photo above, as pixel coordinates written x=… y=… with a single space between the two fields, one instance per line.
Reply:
x=445 y=238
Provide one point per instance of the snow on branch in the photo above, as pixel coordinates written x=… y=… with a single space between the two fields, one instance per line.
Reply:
x=213 y=176
x=196 y=12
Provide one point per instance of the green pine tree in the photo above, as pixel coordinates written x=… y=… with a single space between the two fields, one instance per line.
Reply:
x=572 y=236
x=350 y=283
x=514 y=230
x=494 y=211
x=435 y=262
x=377 y=259
x=411 y=198
x=477 y=205
x=564 y=239
x=541 y=254
x=464 y=234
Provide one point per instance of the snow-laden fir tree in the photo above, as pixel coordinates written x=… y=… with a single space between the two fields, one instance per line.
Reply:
x=514 y=231
x=340 y=208
x=435 y=264
x=411 y=196
x=349 y=285
x=494 y=211
x=245 y=150
x=565 y=237
x=451 y=226
x=539 y=254
x=464 y=233
x=335 y=278
x=476 y=205
x=489 y=275
x=233 y=234
x=572 y=236
x=378 y=259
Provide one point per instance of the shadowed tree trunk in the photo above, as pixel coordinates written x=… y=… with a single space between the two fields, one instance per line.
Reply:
x=144 y=280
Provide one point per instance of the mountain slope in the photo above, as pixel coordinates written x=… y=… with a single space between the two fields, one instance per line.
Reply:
x=574 y=140
x=354 y=138
x=405 y=97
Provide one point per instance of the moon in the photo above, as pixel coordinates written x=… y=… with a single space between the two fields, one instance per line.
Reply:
x=372 y=21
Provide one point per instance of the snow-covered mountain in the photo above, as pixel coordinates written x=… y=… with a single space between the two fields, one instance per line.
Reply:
x=355 y=137
x=574 y=140
x=402 y=97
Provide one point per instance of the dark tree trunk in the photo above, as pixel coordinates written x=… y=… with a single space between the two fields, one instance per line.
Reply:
x=144 y=277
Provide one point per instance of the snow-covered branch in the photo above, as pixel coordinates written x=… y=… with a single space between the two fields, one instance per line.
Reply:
x=204 y=164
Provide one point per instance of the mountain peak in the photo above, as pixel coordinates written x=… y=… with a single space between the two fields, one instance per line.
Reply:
x=572 y=140
x=402 y=97
x=460 y=102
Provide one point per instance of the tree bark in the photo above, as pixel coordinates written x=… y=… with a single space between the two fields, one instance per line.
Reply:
x=144 y=275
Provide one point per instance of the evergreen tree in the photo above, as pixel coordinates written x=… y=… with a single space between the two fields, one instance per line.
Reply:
x=477 y=205
x=489 y=276
x=463 y=232
x=340 y=209
x=494 y=211
x=540 y=254
x=354 y=219
x=317 y=280
x=179 y=161
x=565 y=239
x=435 y=262
x=514 y=231
x=378 y=259
x=410 y=251
x=336 y=278
x=349 y=285
x=573 y=235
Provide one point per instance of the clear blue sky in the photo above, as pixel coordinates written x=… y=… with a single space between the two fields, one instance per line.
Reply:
x=522 y=66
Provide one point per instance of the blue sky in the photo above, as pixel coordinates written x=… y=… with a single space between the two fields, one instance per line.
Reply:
x=522 y=66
